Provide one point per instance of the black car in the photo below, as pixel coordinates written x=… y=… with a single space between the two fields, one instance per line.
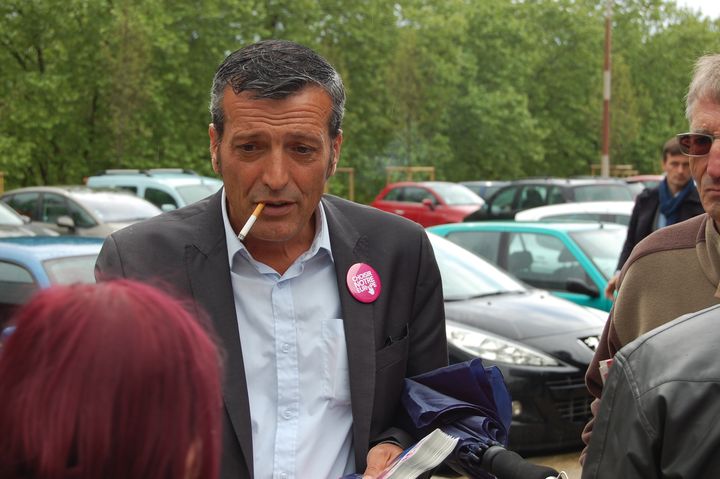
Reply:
x=530 y=193
x=485 y=189
x=542 y=344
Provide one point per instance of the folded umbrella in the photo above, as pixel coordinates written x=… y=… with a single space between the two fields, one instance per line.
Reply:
x=470 y=402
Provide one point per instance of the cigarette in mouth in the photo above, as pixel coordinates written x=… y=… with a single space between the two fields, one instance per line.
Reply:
x=251 y=221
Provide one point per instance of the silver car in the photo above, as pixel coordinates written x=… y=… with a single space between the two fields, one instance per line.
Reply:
x=77 y=210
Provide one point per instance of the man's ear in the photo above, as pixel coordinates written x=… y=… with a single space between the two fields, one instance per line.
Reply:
x=215 y=149
x=334 y=155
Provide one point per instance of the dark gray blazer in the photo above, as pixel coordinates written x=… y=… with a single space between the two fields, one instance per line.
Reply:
x=401 y=334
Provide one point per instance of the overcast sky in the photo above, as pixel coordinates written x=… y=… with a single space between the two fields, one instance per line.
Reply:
x=710 y=8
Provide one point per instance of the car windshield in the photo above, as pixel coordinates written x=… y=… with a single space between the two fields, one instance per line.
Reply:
x=71 y=269
x=603 y=193
x=8 y=216
x=120 y=208
x=465 y=275
x=602 y=246
x=193 y=193
x=457 y=194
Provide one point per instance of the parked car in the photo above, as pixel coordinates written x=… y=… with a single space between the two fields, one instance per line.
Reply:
x=166 y=188
x=531 y=193
x=571 y=260
x=542 y=345
x=602 y=211
x=14 y=224
x=78 y=210
x=428 y=202
x=640 y=182
x=485 y=189
x=28 y=264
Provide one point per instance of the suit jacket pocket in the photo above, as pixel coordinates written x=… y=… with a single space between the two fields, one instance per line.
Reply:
x=396 y=349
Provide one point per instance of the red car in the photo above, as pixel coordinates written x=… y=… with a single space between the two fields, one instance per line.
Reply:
x=428 y=202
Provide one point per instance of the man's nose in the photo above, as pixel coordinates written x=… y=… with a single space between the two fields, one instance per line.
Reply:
x=275 y=170
x=713 y=167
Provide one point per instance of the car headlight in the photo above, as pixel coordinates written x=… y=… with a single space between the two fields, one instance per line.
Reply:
x=495 y=348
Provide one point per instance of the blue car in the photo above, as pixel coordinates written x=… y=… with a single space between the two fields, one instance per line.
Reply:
x=28 y=264
x=571 y=260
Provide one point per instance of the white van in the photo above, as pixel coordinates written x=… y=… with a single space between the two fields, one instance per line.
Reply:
x=167 y=188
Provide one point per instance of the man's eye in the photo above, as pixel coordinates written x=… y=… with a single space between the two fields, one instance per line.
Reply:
x=304 y=150
x=247 y=147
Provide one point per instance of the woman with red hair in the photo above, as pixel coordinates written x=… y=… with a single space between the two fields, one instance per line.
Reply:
x=108 y=381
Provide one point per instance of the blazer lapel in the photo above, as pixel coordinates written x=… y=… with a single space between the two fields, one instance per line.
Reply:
x=348 y=248
x=209 y=273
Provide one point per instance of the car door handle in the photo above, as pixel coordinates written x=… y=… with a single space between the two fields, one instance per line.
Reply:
x=399 y=212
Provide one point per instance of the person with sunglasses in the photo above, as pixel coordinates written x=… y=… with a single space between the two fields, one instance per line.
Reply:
x=674 y=200
x=676 y=269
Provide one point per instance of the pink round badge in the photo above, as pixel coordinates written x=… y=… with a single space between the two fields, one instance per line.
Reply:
x=363 y=282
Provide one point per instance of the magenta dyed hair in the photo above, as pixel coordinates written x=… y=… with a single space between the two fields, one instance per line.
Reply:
x=113 y=380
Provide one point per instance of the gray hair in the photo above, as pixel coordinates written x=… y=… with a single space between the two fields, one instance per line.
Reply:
x=276 y=69
x=705 y=83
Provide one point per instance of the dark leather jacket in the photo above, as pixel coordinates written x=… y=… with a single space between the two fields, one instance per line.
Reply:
x=659 y=414
x=644 y=214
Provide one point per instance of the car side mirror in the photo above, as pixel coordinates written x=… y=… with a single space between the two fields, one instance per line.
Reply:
x=65 y=222
x=579 y=286
x=26 y=219
x=168 y=207
x=428 y=203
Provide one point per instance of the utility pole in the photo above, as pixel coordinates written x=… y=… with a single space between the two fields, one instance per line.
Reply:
x=605 y=157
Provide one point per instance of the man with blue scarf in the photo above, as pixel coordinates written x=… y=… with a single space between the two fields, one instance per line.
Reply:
x=675 y=199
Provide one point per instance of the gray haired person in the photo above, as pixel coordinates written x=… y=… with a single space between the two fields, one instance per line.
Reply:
x=676 y=269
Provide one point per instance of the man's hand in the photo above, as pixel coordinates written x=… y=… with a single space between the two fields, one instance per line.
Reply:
x=379 y=457
x=612 y=286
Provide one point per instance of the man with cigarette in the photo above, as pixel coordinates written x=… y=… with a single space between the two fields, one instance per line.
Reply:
x=322 y=306
x=676 y=269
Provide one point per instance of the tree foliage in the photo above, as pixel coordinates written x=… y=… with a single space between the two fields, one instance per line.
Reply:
x=479 y=89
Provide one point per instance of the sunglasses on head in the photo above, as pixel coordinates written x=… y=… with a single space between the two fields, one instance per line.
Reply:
x=696 y=144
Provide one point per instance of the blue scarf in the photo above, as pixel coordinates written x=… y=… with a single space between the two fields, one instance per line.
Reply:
x=669 y=204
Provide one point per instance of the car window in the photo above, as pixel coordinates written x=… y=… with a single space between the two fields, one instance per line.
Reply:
x=577 y=216
x=454 y=194
x=555 y=196
x=414 y=194
x=483 y=243
x=16 y=284
x=131 y=189
x=25 y=204
x=602 y=246
x=192 y=193
x=8 y=216
x=503 y=201
x=543 y=261
x=532 y=197
x=602 y=193
x=53 y=207
x=395 y=194
x=121 y=208
x=464 y=275
x=159 y=197
x=72 y=269
x=81 y=218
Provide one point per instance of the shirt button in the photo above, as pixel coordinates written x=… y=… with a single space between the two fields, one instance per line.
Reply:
x=285 y=347
x=287 y=414
x=283 y=475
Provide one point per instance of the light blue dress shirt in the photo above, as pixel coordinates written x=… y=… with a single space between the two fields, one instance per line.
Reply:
x=295 y=358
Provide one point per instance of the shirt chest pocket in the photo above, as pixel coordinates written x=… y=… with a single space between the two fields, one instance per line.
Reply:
x=336 y=374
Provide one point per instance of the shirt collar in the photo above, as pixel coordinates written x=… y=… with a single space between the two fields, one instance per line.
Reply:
x=321 y=242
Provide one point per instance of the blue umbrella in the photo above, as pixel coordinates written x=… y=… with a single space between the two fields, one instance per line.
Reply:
x=472 y=403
